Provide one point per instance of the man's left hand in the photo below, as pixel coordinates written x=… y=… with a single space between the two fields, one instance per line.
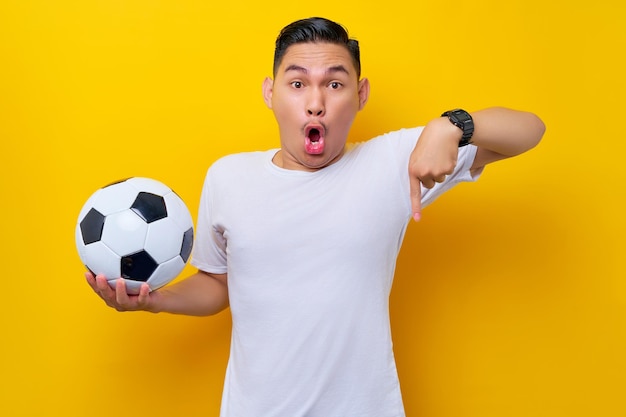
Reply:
x=434 y=157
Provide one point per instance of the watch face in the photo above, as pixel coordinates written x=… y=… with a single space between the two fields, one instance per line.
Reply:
x=461 y=116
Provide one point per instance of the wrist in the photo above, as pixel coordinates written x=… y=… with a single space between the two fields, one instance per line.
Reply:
x=464 y=122
x=155 y=302
x=445 y=129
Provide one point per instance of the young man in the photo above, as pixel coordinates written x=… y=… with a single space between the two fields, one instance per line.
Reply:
x=302 y=241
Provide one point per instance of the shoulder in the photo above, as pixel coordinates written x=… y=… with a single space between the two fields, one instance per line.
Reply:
x=242 y=158
x=394 y=144
x=238 y=162
x=404 y=134
x=401 y=138
x=235 y=168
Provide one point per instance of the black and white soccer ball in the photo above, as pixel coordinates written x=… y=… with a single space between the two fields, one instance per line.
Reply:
x=137 y=229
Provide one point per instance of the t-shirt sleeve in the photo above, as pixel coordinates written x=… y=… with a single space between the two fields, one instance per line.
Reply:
x=403 y=141
x=461 y=173
x=209 y=250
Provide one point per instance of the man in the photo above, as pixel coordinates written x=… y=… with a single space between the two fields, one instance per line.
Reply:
x=301 y=242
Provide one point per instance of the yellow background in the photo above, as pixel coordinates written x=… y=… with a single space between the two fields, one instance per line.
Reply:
x=510 y=297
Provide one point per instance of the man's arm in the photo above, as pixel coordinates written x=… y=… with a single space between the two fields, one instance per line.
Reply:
x=201 y=294
x=499 y=133
x=502 y=133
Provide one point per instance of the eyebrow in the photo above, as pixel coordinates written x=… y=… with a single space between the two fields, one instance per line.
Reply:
x=329 y=70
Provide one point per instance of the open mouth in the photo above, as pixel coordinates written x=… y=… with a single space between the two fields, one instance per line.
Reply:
x=314 y=140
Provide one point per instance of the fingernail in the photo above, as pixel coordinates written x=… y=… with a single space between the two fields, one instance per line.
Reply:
x=416 y=217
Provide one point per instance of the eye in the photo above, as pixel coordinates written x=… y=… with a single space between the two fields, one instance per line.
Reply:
x=296 y=84
x=335 y=85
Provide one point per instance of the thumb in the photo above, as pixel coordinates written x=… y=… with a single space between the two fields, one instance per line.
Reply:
x=416 y=197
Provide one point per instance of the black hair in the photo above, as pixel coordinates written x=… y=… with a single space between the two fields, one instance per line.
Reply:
x=316 y=29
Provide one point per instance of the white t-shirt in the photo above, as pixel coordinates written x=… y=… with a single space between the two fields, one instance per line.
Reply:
x=310 y=258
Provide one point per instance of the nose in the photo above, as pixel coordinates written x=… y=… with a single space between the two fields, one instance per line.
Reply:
x=315 y=105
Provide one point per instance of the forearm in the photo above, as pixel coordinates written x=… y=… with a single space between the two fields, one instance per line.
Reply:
x=506 y=132
x=201 y=294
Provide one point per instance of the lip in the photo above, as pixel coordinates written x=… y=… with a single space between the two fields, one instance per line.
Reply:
x=314 y=138
x=314 y=126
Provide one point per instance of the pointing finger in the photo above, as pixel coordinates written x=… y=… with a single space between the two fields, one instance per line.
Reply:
x=416 y=197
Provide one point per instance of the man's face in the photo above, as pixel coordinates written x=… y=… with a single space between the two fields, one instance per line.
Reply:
x=315 y=97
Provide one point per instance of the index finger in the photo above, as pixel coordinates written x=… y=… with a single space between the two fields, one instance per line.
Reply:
x=416 y=197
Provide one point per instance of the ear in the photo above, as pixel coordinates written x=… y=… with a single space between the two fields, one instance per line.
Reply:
x=268 y=89
x=364 y=92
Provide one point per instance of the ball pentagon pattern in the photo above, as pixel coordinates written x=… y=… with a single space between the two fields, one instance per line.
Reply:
x=137 y=229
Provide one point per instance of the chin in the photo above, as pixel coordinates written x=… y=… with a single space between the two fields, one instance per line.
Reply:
x=319 y=161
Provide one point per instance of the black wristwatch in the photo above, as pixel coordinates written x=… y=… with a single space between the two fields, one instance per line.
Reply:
x=463 y=120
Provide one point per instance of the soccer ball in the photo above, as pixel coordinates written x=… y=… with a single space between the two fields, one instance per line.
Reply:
x=137 y=229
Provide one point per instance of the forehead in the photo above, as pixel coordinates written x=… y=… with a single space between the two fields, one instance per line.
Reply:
x=317 y=55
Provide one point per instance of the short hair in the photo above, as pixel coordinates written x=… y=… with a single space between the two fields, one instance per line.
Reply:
x=316 y=29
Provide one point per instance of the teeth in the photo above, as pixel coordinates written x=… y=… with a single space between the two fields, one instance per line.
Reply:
x=314 y=141
x=314 y=145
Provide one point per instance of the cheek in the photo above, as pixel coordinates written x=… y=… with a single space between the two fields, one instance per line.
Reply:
x=284 y=110
x=346 y=113
x=284 y=118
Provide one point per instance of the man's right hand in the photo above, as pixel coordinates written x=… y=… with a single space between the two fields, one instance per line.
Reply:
x=118 y=298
